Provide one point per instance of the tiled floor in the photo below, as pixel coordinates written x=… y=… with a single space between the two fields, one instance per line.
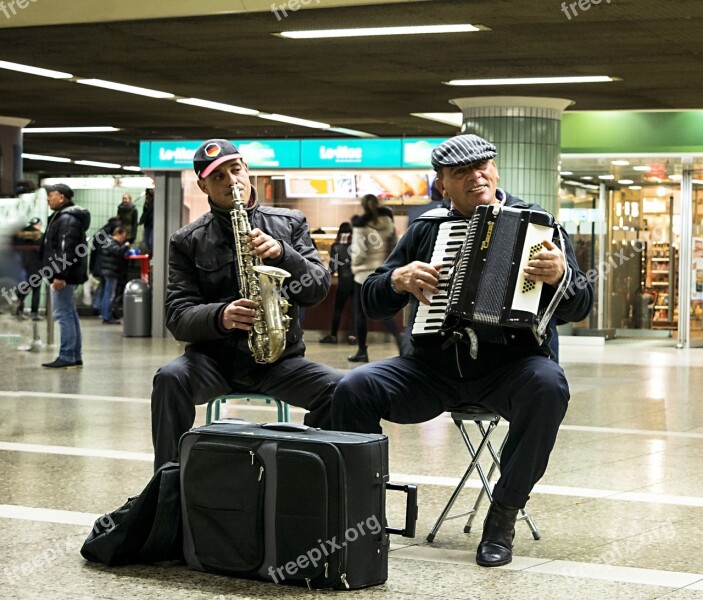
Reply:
x=620 y=509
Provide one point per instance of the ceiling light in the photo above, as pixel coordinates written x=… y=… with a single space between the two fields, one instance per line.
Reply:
x=625 y=181
x=454 y=119
x=642 y=168
x=95 y=163
x=138 y=169
x=372 y=31
x=606 y=177
x=531 y=80
x=294 y=121
x=697 y=181
x=354 y=132
x=100 y=129
x=620 y=163
x=563 y=173
x=635 y=187
x=46 y=158
x=121 y=87
x=34 y=70
x=231 y=108
x=587 y=177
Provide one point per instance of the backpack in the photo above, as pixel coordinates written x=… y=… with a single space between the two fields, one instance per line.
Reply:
x=148 y=528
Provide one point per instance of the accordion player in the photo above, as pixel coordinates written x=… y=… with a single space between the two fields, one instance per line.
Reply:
x=485 y=295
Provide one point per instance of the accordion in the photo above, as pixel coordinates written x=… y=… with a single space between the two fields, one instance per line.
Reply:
x=483 y=293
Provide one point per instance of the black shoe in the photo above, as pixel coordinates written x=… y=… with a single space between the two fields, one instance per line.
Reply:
x=112 y=322
x=59 y=363
x=78 y=363
x=329 y=339
x=360 y=356
x=496 y=547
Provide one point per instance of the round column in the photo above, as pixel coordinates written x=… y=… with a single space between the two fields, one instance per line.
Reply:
x=527 y=134
x=10 y=153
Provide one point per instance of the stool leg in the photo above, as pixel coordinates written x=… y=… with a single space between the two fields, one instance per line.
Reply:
x=286 y=412
x=208 y=413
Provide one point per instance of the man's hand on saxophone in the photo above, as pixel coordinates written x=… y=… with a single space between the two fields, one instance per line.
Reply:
x=263 y=245
x=239 y=314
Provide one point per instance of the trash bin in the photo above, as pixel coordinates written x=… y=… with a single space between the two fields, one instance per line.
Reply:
x=136 y=305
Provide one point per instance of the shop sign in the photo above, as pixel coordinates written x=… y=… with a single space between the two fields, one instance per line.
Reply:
x=417 y=152
x=336 y=153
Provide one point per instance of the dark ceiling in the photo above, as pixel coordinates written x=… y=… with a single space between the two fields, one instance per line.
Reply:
x=367 y=84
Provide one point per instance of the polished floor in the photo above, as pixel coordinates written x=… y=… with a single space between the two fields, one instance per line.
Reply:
x=620 y=509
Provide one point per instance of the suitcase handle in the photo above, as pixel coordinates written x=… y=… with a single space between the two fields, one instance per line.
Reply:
x=294 y=427
x=410 y=509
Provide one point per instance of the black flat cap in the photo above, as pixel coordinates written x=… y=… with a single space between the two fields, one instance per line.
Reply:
x=462 y=150
x=62 y=189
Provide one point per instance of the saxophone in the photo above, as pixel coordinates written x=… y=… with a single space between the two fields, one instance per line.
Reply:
x=262 y=284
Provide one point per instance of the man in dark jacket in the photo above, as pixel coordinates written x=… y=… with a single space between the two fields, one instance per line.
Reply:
x=128 y=215
x=63 y=253
x=520 y=380
x=111 y=258
x=204 y=306
x=28 y=242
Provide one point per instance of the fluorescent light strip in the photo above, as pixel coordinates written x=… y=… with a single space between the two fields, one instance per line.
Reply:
x=530 y=80
x=375 y=31
x=34 y=70
x=95 y=163
x=121 y=87
x=454 y=119
x=642 y=168
x=138 y=169
x=294 y=121
x=45 y=158
x=100 y=129
x=231 y=108
x=354 y=132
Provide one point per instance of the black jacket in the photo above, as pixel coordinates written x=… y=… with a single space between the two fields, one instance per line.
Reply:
x=380 y=302
x=203 y=279
x=64 y=246
x=111 y=257
x=129 y=216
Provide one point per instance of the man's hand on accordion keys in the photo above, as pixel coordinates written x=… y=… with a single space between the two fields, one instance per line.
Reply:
x=547 y=265
x=417 y=278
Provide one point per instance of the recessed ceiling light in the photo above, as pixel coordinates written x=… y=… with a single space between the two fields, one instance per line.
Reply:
x=530 y=80
x=625 y=181
x=46 y=158
x=138 y=169
x=231 y=108
x=587 y=177
x=642 y=168
x=95 y=163
x=100 y=129
x=635 y=187
x=697 y=181
x=374 y=31
x=122 y=87
x=294 y=121
x=34 y=70
x=566 y=173
x=354 y=132
x=620 y=163
x=606 y=177
x=454 y=119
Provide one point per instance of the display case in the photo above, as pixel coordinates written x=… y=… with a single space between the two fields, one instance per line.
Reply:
x=663 y=272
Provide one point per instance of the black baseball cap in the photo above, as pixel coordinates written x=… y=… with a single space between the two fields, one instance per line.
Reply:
x=462 y=150
x=211 y=154
x=62 y=189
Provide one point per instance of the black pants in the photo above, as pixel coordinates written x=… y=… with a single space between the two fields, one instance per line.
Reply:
x=362 y=323
x=345 y=290
x=531 y=393
x=196 y=378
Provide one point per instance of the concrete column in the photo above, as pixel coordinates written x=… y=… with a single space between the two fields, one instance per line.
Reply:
x=527 y=133
x=10 y=153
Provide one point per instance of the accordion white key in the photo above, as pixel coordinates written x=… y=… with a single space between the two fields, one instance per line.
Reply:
x=487 y=295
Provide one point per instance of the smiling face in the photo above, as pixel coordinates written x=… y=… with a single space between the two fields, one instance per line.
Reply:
x=469 y=186
x=218 y=184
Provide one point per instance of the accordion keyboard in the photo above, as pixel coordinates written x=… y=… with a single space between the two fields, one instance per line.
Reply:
x=450 y=238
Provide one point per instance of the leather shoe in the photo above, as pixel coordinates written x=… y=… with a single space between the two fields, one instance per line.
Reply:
x=361 y=355
x=496 y=547
x=329 y=339
x=59 y=363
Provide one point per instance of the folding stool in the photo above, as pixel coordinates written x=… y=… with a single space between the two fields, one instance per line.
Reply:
x=479 y=416
x=214 y=405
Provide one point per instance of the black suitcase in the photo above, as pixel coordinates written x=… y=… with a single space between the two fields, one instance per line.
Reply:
x=287 y=503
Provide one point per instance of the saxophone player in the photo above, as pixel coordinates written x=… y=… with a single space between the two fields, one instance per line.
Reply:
x=205 y=309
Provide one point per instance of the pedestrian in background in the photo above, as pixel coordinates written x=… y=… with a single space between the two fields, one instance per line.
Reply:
x=340 y=263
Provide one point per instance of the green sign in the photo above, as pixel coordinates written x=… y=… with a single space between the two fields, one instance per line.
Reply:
x=418 y=151
x=350 y=153
x=621 y=131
